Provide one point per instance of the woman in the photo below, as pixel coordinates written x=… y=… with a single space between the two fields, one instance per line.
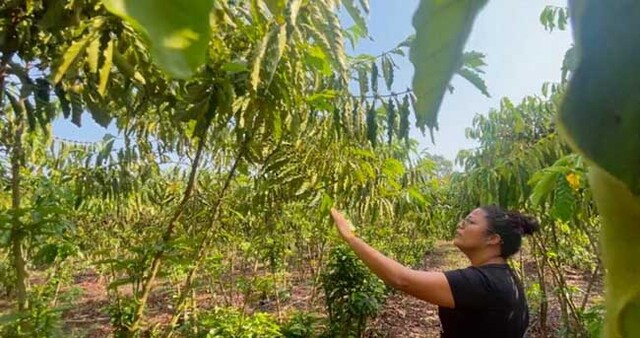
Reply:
x=483 y=300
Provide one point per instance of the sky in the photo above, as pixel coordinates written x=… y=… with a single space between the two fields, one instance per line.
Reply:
x=520 y=57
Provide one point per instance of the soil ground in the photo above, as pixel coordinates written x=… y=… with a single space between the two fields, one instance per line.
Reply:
x=401 y=316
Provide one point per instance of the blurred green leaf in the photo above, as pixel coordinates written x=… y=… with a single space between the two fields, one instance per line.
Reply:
x=178 y=31
x=442 y=28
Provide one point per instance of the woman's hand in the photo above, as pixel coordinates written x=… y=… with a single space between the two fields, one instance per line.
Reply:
x=345 y=229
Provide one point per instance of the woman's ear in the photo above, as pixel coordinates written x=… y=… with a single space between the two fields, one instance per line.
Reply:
x=494 y=239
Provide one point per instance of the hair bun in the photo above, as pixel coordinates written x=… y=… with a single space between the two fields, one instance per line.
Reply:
x=528 y=224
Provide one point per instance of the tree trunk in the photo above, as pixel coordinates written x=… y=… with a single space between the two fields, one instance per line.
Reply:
x=17 y=235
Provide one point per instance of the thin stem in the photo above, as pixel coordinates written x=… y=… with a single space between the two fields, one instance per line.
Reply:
x=379 y=56
x=204 y=244
x=166 y=237
x=392 y=94
x=592 y=281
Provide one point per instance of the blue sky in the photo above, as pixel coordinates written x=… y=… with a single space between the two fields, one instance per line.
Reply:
x=520 y=54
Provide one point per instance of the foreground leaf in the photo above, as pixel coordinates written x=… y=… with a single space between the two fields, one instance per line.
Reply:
x=178 y=31
x=601 y=111
x=442 y=28
x=620 y=211
x=600 y=117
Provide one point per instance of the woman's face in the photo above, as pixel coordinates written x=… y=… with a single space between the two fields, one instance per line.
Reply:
x=472 y=233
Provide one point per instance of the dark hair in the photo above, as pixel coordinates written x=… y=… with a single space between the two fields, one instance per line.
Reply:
x=511 y=226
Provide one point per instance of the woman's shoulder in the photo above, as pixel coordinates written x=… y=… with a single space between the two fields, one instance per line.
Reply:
x=492 y=277
x=491 y=269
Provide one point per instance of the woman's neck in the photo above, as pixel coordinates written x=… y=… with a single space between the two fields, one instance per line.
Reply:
x=484 y=259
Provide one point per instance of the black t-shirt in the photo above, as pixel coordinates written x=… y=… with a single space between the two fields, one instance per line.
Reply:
x=489 y=302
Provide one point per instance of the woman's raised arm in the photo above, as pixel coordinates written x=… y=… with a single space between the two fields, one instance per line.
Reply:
x=432 y=287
